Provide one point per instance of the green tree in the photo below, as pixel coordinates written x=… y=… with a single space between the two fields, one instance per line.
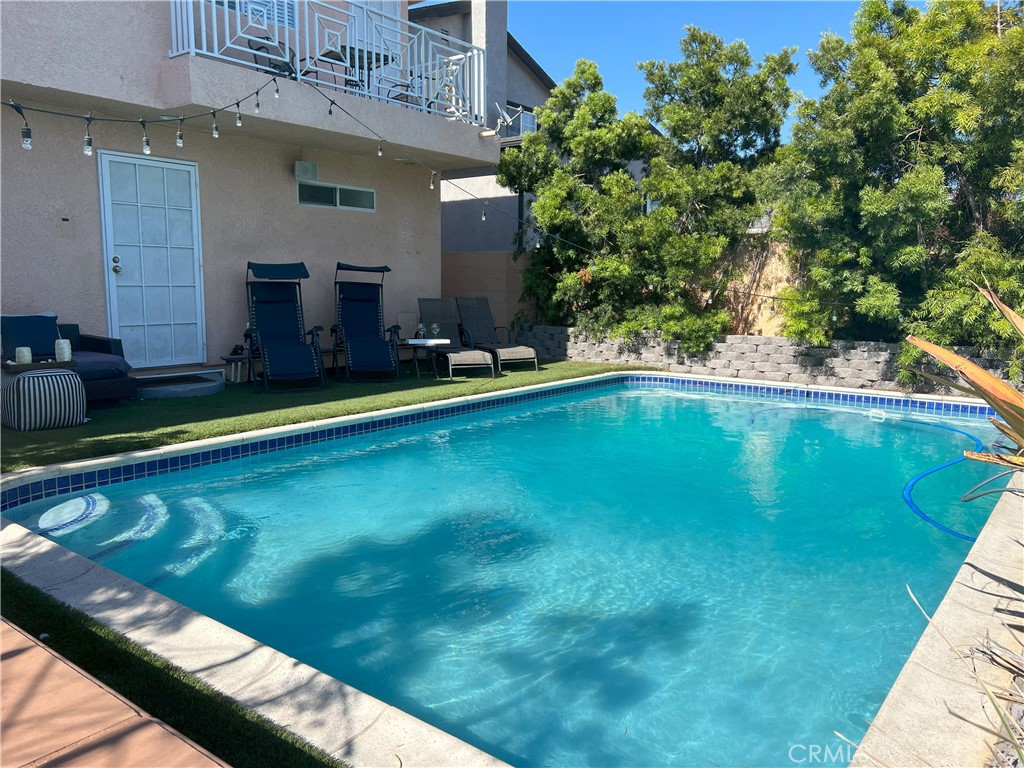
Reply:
x=902 y=185
x=638 y=227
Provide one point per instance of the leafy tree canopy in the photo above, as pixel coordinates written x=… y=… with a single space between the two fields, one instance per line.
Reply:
x=904 y=182
x=637 y=225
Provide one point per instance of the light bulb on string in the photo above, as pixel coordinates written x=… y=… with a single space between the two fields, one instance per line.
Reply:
x=146 y=148
x=87 y=141
x=330 y=108
x=256 y=108
x=179 y=137
x=771 y=310
x=238 y=115
x=432 y=175
x=277 y=90
x=26 y=132
x=380 y=149
x=483 y=213
x=216 y=131
x=835 y=315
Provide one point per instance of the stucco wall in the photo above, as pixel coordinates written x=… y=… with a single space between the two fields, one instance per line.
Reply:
x=463 y=227
x=248 y=211
x=869 y=365
x=523 y=86
x=494 y=275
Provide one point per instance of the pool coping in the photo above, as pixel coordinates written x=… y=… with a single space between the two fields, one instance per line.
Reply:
x=343 y=721
x=936 y=713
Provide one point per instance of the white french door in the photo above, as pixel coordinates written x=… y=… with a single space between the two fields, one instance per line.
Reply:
x=152 y=256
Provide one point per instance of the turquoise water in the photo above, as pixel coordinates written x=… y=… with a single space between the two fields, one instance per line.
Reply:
x=621 y=578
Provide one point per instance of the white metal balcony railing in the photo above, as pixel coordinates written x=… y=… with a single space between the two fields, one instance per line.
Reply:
x=342 y=46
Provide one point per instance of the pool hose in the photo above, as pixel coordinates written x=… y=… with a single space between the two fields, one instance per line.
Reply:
x=908 y=489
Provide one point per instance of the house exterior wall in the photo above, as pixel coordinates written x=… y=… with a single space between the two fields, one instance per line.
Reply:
x=522 y=85
x=248 y=209
x=112 y=58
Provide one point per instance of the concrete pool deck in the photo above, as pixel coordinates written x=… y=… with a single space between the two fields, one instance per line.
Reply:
x=364 y=731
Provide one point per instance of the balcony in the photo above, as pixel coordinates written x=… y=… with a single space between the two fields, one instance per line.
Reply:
x=338 y=46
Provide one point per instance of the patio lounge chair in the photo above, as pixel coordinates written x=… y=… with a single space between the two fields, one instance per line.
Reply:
x=445 y=313
x=481 y=333
x=276 y=337
x=99 y=361
x=360 y=331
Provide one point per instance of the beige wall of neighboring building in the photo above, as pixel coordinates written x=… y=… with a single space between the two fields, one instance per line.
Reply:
x=749 y=297
x=494 y=275
x=52 y=246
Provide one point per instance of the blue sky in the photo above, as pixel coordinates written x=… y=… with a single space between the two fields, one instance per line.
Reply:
x=616 y=34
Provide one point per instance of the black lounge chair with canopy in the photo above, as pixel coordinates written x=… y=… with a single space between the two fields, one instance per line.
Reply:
x=359 y=333
x=277 y=336
x=482 y=333
x=445 y=313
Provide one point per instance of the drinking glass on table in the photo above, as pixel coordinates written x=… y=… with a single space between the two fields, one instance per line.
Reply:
x=435 y=328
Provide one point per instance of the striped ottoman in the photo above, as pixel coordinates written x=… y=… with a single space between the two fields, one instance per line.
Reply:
x=43 y=399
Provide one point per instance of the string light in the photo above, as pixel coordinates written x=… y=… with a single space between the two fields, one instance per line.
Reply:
x=380 y=147
x=87 y=141
x=146 y=148
x=26 y=132
x=771 y=309
x=483 y=213
x=238 y=115
x=256 y=107
x=277 y=91
x=330 y=108
x=432 y=175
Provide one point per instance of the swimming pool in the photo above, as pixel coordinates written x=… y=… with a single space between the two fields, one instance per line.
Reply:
x=722 y=621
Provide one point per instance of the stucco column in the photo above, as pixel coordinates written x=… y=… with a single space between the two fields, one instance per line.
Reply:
x=490 y=31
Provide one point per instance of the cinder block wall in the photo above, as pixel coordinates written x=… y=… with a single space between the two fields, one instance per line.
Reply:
x=867 y=365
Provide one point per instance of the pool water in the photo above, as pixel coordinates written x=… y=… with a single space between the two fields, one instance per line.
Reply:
x=619 y=578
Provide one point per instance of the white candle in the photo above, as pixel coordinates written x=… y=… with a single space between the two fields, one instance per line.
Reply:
x=62 y=350
x=22 y=355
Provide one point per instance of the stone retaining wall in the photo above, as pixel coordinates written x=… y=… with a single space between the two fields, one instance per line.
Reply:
x=869 y=365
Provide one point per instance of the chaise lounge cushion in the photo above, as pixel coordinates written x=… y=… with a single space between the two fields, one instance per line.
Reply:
x=94 y=366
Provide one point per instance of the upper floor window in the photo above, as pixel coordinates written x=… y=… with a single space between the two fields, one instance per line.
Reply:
x=524 y=122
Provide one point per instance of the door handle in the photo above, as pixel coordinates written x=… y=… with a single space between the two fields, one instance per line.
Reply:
x=116 y=269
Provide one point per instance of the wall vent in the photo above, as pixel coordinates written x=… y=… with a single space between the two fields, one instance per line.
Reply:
x=305 y=171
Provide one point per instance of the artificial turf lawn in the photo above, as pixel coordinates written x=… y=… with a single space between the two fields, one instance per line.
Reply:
x=233 y=733
x=136 y=425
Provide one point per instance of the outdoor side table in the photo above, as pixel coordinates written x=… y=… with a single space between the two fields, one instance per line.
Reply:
x=41 y=396
x=425 y=345
x=235 y=370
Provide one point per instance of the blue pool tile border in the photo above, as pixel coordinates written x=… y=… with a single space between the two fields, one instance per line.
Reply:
x=13 y=497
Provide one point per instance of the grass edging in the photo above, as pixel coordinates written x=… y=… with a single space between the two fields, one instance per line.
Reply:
x=136 y=425
x=218 y=723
